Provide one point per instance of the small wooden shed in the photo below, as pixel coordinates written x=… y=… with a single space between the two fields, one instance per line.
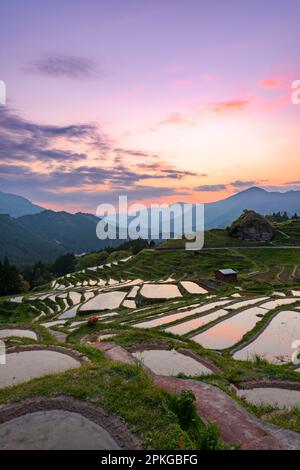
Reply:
x=226 y=275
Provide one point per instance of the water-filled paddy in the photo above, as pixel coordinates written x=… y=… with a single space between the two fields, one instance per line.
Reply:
x=183 y=313
x=230 y=331
x=17 y=299
x=88 y=295
x=53 y=323
x=195 y=323
x=277 y=397
x=160 y=291
x=17 y=332
x=163 y=320
x=296 y=293
x=105 y=301
x=192 y=287
x=106 y=336
x=129 y=304
x=171 y=363
x=26 y=365
x=275 y=342
x=54 y=430
x=133 y=292
x=245 y=303
x=75 y=297
x=277 y=303
x=70 y=313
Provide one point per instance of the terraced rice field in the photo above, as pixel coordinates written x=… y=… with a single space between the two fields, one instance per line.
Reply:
x=26 y=365
x=158 y=291
x=54 y=430
x=182 y=329
x=275 y=342
x=193 y=288
x=171 y=363
x=230 y=331
x=105 y=301
x=7 y=332
x=278 y=397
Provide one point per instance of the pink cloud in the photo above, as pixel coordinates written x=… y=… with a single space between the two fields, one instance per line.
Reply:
x=209 y=77
x=230 y=105
x=275 y=83
x=182 y=82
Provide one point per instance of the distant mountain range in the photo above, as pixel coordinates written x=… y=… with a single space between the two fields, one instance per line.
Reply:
x=29 y=233
x=222 y=213
x=16 y=206
x=46 y=235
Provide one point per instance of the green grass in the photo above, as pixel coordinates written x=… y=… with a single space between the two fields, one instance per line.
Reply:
x=130 y=393
x=11 y=312
x=157 y=417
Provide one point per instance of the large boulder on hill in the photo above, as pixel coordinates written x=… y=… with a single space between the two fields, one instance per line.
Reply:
x=252 y=226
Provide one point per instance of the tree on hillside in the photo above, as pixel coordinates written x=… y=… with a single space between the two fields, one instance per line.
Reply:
x=91 y=259
x=10 y=279
x=37 y=274
x=64 y=264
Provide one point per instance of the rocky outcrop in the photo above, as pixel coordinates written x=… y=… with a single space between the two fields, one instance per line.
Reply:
x=252 y=226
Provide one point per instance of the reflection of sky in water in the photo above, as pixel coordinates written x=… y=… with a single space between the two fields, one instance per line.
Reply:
x=230 y=331
x=191 y=325
x=171 y=363
x=159 y=291
x=107 y=300
x=275 y=342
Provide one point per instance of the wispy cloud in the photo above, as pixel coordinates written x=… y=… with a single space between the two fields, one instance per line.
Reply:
x=23 y=140
x=229 y=106
x=173 y=119
x=243 y=184
x=44 y=159
x=64 y=66
x=225 y=186
x=275 y=83
x=211 y=187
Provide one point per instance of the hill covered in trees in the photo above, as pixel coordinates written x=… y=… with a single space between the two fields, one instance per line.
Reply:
x=46 y=235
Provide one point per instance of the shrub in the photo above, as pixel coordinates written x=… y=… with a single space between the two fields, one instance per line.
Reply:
x=92 y=321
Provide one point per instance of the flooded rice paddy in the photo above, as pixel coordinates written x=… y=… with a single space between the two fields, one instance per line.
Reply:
x=277 y=303
x=245 y=303
x=274 y=344
x=277 y=397
x=26 y=365
x=171 y=363
x=192 y=287
x=5 y=333
x=228 y=332
x=104 y=301
x=160 y=291
x=195 y=323
x=54 y=430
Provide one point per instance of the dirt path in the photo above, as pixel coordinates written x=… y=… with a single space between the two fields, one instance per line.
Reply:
x=236 y=425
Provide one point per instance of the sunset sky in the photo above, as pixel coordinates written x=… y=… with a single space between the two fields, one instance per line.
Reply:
x=160 y=100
